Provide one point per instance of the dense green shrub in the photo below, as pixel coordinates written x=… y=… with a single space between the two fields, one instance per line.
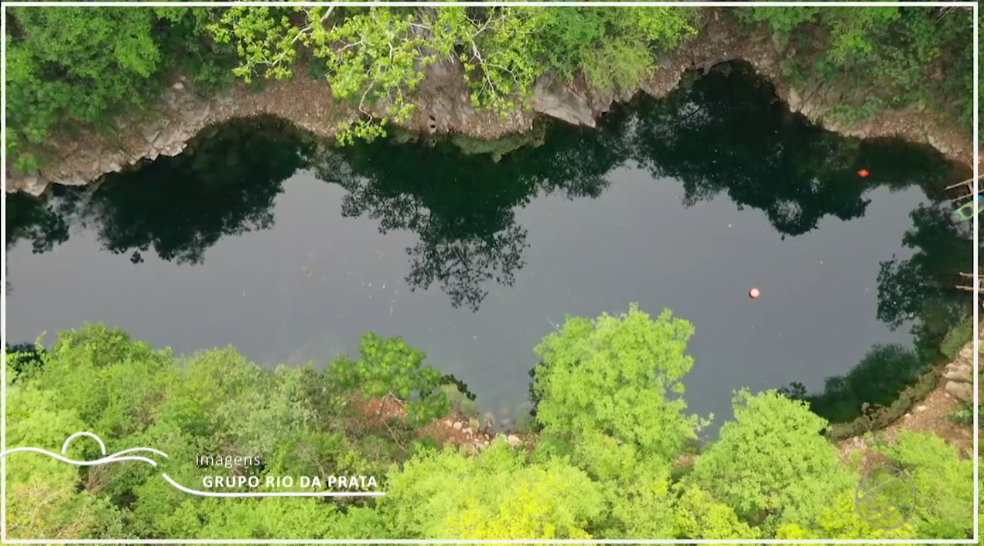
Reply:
x=943 y=481
x=374 y=59
x=957 y=337
x=613 y=48
x=964 y=415
x=68 y=66
x=771 y=464
x=610 y=476
x=883 y=57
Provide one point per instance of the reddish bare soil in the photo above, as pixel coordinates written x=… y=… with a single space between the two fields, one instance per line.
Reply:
x=454 y=430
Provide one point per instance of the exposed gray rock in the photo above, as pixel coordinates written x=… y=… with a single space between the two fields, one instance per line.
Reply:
x=150 y=133
x=959 y=371
x=173 y=132
x=563 y=105
x=196 y=116
x=959 y=374
x=962 y=391
x=443 y=107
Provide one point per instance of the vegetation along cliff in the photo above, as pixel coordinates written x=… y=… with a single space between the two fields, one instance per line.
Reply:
x=484 y=73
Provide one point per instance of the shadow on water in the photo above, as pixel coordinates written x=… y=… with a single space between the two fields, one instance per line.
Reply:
x=724 y=133
x=224 y=185
x=917 y=290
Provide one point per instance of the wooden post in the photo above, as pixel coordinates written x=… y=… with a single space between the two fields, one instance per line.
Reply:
x=968 y=182
x=969 y=276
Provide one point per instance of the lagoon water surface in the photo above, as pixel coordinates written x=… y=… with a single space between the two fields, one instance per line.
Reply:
x=260 y=238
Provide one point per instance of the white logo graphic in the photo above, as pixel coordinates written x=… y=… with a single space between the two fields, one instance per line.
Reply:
x=122 y=456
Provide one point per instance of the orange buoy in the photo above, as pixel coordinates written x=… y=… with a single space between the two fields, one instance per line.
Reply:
x=863 y=173
x=754 y=293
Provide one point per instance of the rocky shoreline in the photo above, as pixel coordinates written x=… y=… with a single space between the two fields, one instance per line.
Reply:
x=443 y=107
x=958 y=375
x=931 y=414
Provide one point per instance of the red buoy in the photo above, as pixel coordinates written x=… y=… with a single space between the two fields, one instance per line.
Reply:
x=754 y=293
x=863 y=173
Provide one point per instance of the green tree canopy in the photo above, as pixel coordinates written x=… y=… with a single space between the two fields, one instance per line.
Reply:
x=620 y=377
x=772 y=464
x=490 y=496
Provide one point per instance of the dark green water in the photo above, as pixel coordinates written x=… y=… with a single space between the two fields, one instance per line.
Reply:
x=260 y=238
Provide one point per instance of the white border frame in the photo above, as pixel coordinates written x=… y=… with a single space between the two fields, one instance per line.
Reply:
x=3 y=261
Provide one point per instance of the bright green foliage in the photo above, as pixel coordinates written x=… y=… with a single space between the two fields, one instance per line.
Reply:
x=699 y=516
x=614 y=48
x=618 y=376
x=770 y=475
x=270 y=518
x=281 y=518
x=944 y=483
x=600 y=455
x=264 y=38
x=506 y=49
x=213 y=403
x=42 y=496
x=641 y=503
x=639 y=488
x=841 y=521
x=47 y=505
x=772 y=463
x=500 y=53
x=209 y=381
x=106 y=378
x=980 y=505
x=490 y=496
x=392 y=368
x=375 y=58
x=608 y=398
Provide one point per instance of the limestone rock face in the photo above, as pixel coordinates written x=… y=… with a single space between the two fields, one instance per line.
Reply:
x=443 y=106
x=961 y=391
x=562 y=104
x=959 y=374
